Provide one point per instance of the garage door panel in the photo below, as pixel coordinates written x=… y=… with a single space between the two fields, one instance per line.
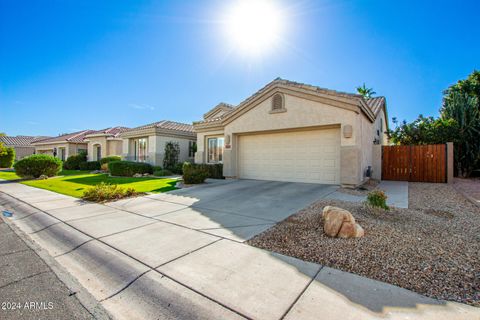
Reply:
x=305 y=156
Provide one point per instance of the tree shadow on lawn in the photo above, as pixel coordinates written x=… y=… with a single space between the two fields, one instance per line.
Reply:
x=97 y=179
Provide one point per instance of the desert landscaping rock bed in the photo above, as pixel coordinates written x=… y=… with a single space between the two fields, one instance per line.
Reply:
x=432 y=248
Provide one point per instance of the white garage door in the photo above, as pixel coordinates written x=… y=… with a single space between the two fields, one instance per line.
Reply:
x=303 y=156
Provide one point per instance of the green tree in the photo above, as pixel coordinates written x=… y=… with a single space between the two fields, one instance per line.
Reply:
x=170 y=159
x=424 y=130
x=463 y=108
x=365 y=92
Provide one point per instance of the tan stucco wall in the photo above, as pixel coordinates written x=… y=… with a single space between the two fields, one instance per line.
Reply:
x=93 y=142
x=22 y=152
x=381 y=125
x=70 y=148
x=156 y=148
x=200 y=155
x=108 y=147
x=377 y=161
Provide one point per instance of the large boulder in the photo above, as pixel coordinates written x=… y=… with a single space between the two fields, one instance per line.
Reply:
x=340 y=223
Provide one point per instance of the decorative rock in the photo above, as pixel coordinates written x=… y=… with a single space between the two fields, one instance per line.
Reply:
x=340 y=223
x=138 y=175
x=43 y=177
x=146 y=174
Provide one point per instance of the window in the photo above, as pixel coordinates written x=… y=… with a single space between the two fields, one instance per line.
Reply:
x=277 y=102
x=215 y=150
x=192 y=148
x=140 y=150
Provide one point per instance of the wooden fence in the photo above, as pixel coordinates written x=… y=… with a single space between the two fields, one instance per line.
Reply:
x=424 y=163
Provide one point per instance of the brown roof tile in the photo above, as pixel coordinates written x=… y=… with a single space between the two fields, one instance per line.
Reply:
x=113 y=131
x=168 y=125
x=76 y=137
x=20 y=140
x=376 y=104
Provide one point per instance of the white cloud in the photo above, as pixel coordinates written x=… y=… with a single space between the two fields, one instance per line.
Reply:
x=141 y=106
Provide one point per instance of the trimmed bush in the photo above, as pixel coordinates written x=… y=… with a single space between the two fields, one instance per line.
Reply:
x=90 y=165
x=110 y=159
x=7 y=157
x=37 y=165
x=162 y=173
x=377 y=199
x=193 y=174
x=104 y=192
x=73 y=162
x=128 y=168
x=214 y=171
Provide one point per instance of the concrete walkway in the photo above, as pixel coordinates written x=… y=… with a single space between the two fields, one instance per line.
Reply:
x=396 y=191
x=141 y=265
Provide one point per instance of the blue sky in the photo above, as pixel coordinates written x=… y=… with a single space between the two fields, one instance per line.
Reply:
x=69 y=65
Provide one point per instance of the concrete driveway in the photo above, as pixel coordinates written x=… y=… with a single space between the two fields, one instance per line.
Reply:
x=233 y=209
x=180 y=256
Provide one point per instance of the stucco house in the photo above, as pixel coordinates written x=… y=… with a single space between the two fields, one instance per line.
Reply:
x=147 y=143
x=22 y=144
x=104 y=143
x=64 y=145
x=96 y=143
x=289 y=131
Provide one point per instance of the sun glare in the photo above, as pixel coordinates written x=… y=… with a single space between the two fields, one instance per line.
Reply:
x=254 y=26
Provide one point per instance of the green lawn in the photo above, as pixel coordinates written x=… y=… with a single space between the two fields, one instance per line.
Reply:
x=8 y=175
x=75 y=184
x=11 y=175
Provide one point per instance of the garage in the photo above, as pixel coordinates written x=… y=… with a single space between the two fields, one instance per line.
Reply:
x=311 y=156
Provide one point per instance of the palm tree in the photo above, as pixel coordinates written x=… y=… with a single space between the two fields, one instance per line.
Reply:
x=365 y=92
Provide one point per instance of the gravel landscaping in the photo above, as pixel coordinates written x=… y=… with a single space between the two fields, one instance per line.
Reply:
x=432 y=248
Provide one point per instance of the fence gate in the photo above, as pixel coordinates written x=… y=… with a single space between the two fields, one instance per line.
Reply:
x=424 y=163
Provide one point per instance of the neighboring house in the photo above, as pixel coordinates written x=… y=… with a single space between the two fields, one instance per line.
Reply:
x=64 y=145
x=104 y=143
x=289 y=131
x=22 y=144
x=147 y=143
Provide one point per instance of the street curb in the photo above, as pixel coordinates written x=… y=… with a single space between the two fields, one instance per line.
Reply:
x=81 y=294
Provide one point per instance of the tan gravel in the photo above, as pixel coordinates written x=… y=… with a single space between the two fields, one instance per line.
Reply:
x=432 y=248
x=362 y=190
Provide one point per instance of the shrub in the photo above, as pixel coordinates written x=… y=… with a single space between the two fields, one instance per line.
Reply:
x=90 y=165
x=377 y=199
x=73 y=162
x=161 y=173
x=193 y=174
x=110 y=159
x=128 y=168
x=7 y=157
x=172 y=151
x=37 y=165
x=214 y=171
x=178 y=168
x=105 y=192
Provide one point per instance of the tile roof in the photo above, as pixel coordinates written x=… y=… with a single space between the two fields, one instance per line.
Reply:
x=76 y=137
x=280 y=81
x=168 y=125
x=376 y=104
x=113 y=131
x=20 y=140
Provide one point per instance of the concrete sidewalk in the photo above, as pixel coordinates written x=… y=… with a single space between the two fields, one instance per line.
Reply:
x=140 y=266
